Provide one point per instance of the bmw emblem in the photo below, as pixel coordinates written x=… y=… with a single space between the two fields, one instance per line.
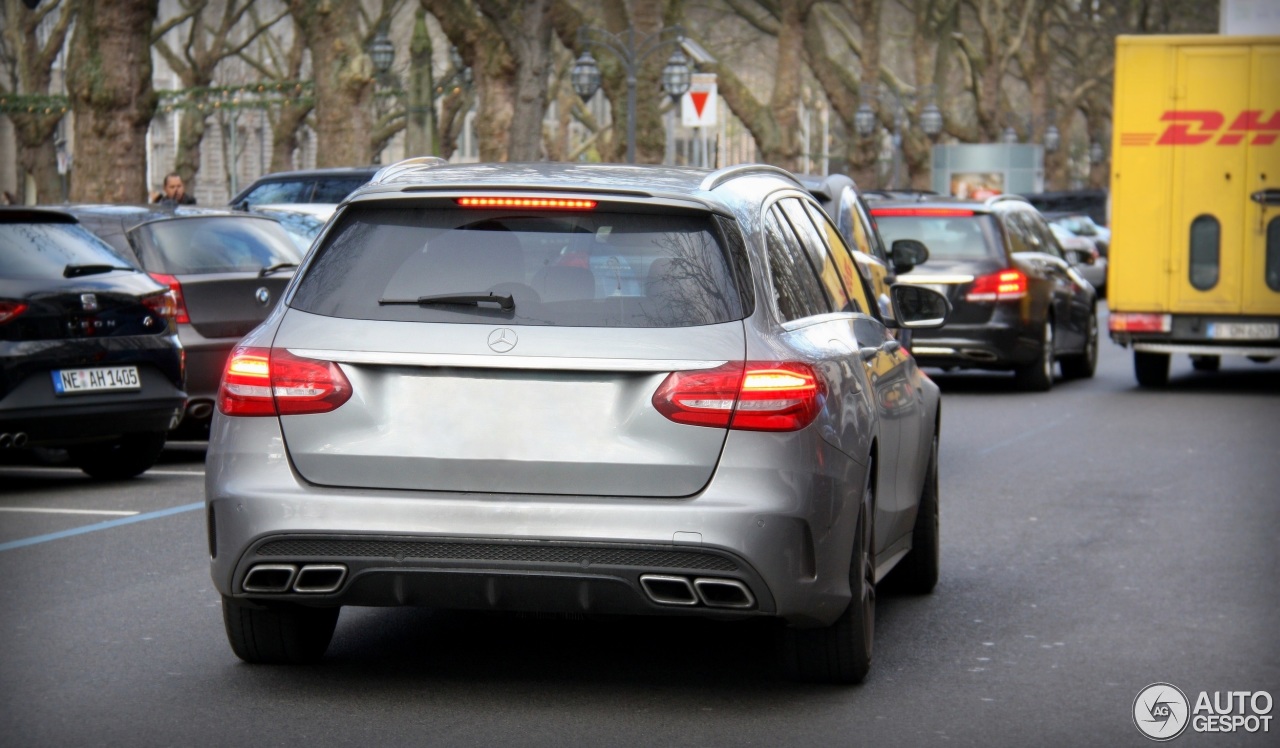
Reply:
x=502 y=340
x=262 y=295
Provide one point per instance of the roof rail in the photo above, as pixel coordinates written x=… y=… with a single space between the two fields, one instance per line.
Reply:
x=720 y=176
x=409 y=165
x=1000 y=198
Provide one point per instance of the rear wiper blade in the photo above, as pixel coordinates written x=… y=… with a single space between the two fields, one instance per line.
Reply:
x=506 y=303
x=75 y=271
x=278 y=266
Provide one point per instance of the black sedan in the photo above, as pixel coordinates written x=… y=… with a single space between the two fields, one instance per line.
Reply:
x=89 y=355
x=1018 y=303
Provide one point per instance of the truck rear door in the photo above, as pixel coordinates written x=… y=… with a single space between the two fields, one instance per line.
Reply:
x=1262 y=214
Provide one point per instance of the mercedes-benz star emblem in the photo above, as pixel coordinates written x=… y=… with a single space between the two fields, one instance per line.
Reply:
x=502 y=340
x=262 y=295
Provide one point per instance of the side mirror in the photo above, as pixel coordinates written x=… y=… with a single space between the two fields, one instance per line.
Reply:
x=1079 y=257
x=907 y=253
x=917 y=307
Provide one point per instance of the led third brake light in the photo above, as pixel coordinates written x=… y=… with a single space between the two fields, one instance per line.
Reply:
x=536 y=203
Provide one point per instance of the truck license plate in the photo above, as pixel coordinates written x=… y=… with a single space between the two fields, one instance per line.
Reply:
x=101 y=379
x=1243 y=330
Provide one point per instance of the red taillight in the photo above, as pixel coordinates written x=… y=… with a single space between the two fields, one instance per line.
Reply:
x=11 y=309
x=537 y=203
x=179 y=303
x=1006 y=285
x=1137 y=322
x=268 y=382
x=933 y=212
x=755 y=396
x=162 y=304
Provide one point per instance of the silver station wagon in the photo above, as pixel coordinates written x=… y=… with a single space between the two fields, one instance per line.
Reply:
x=573 y=388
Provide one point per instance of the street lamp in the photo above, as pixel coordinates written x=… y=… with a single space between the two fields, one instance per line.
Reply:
x=1009 y=135
x=1052 y=139
x=1096 y=154
x=382 y=52
x=865 y=121
x=631 y=50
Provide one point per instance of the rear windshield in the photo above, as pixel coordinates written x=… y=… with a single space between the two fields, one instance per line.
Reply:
x=589 y=269
x=947 y=237
x=45 y=250
x=214 y=244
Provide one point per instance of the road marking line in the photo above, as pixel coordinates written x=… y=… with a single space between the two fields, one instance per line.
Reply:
x=41 y=510
x=100 y=526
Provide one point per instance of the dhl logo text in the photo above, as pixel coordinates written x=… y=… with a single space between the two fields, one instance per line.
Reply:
x=1201 y=127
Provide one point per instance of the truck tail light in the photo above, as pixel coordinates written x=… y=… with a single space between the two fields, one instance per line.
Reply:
x=1140 y=322
x=272 y=381
x=1006 y=285
x=179 y=303
x=750 y=396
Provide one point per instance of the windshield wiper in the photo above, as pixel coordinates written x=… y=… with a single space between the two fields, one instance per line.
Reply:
x=75 y=271
x=278 y=266
x=505 y=303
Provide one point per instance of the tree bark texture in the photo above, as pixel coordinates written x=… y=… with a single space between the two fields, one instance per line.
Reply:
x=33 y=64
x=344 y=80
x=493 y=67
x=109 y=82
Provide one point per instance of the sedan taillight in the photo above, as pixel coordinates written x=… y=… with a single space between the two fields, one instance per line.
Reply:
x=272 y=381
x=1006 y=285
x=11 y=309
x=755 y=396
x=179 y=303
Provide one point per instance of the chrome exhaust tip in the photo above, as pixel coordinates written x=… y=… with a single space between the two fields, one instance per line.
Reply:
x=319 y=578
x=200 y=410
x=666 y=590
x=6 y=441
x=19 y=440
x=269 y=578
x=723 y=593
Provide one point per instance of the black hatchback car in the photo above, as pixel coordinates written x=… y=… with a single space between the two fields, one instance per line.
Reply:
x=89 y=355
x=1017 y=302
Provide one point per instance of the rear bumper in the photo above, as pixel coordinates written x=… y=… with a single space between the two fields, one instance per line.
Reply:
x=1199 y=335
x=784 y=537
x=990 y=346
x=52 y=421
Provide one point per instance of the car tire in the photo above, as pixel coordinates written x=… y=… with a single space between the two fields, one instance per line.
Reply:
x=1083 y=365
x=917 y=573
x=1037 y=376
x=1206 y=363
x=841 y=652
x=1151 y=369
x=285 y=634
x=126 y=457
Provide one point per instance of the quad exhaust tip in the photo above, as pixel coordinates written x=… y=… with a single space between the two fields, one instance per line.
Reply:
x=309 y=579
x=16 y=441
x=709 y=591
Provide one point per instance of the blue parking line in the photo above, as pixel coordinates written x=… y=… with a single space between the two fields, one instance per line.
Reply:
x=100 y=526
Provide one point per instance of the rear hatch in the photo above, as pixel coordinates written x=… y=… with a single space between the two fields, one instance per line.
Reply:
x=546 y=386
x=966 y=255
x=229 y=270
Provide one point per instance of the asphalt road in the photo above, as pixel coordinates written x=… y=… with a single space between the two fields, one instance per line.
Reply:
x=1096 y=539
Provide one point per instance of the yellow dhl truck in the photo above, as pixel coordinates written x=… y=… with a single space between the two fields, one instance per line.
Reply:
x=1194 y=262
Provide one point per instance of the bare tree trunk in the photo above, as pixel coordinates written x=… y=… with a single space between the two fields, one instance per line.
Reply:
x=784 y=104
x=109 y=79
x=525 y=27
x=343 y=80
x=32 y=64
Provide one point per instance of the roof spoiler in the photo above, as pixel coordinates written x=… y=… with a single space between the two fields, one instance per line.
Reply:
x=720 y=176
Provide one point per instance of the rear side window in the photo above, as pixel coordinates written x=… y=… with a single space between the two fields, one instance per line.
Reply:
x=960 y=237
x=32 y=251
x=797 y=292
x=589 y=269
x=819 y=256
x=1206 y=236
x=335 y=190
x=281 y=192
x=192 y=246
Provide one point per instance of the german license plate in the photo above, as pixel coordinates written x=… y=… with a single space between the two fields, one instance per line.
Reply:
x=1244 y=330
x=100 y=379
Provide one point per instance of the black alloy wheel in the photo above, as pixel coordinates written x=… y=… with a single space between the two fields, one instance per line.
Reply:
x=1037 y=376
x=917 y=574
x=1083 y=365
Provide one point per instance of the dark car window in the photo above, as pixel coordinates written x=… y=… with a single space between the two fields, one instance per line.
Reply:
x=797 y=292
x=818 y=253
x=590 y=269
x=335 y=190
x=214 y=244
x=281 y=192
x=44 y=250
x=849 y=270
x=1044 y=238
x=948 y=237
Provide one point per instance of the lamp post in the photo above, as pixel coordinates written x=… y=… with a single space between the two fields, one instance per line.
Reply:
x=865 y=120
x=632 y=50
